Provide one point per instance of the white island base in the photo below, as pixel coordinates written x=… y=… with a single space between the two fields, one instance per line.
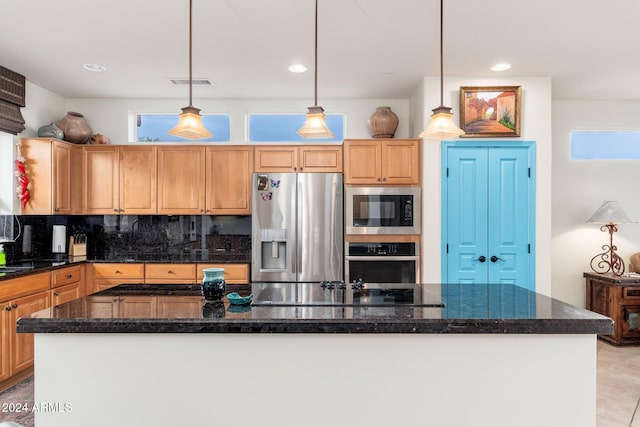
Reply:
x=315 y=380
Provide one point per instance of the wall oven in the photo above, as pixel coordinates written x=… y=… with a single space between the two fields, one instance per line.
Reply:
x=382 y=210
x=382 y=262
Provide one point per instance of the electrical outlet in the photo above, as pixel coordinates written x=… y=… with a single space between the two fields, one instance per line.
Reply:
x=193 y=236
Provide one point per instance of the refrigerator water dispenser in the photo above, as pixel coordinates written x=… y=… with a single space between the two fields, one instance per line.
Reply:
x=273 y=249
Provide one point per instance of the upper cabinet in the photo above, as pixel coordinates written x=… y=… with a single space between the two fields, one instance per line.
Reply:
x=54 y=184
x=119 y=179
x=382 y=161
x=291 y=158
x=228 y=180
x=181 y=180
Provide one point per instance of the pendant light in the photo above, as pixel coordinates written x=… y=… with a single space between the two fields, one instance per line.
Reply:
x=190 y=123
x=441 y=125
x=315 y=126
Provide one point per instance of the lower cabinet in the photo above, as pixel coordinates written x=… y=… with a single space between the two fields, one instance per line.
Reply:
x=234 y=274
x=101 y=276
x=169 y=273
x=18 y=298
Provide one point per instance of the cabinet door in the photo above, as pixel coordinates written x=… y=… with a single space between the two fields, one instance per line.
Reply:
x=170 y=273
x=102 y=307
x=66 y=293
x=5 y=332
x=320 y=158
x=141 y=307
x=228 y=185
x=277 y=158
x=100 y=180
x=183 y=307
x=37 y=153
x=400 y=162
x=181 y=180
x=61 y=176
x=362 y=162
x=234 y=274
x=22 y=344
x=138 y=180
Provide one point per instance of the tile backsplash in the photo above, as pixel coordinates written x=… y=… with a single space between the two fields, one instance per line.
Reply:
x=139 y=237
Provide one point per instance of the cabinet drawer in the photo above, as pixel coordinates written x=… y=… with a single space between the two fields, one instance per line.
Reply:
x=66 y=293
x=234 y=274
x=631 y=292
x=170 y=272
x=118 y=270
x=24 y=285
x=66 y=276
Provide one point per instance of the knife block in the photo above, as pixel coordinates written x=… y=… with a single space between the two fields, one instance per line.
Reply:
x=77 y=251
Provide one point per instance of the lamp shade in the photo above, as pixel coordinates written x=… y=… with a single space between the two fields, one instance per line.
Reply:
x=610 y=212
x=315 y=126
x=190 y=125
x=441 y=125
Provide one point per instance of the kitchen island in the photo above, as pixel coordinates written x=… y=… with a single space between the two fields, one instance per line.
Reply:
x=317 y=355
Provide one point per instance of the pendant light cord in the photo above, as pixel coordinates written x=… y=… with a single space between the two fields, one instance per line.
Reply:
x=190 y=52
x=441 y=56
x=315 y=85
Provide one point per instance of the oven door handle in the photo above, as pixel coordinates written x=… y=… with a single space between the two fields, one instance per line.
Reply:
x=381 y=257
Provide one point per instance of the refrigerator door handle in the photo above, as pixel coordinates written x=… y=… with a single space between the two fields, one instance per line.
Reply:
x=299 y=226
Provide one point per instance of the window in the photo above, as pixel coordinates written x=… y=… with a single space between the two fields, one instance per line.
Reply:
x=283 y=127
x=155 y=128
x=605 y=145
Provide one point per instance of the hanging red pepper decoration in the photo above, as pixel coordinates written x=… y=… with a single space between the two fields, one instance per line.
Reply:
x=21 y=176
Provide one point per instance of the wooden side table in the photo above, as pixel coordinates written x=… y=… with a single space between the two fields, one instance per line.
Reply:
x=617 y=297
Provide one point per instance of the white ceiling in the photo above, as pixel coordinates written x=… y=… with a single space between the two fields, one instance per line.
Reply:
x=367 y=48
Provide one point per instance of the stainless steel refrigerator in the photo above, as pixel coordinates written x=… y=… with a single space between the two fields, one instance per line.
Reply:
x=297 y=226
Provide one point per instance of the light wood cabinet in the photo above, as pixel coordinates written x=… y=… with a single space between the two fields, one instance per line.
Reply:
x=170 y=273
x=228 y=180
x=138 y=180
x=179 y=307
x=181 y=180
x=382 y=162
x=22 y=344
x=67 y=284
x=290 y=158
x=234 y=274
x=100 y=180
x=19 y=297
x=101 y=276
x=53 y=169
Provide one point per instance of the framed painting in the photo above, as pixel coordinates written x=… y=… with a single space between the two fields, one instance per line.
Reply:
x=490 y=111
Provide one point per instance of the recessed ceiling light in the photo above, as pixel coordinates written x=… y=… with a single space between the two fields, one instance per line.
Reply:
x=501 y=67
x=297 y=68
x=94 y=67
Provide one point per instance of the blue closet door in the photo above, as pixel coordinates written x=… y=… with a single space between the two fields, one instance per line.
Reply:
x=488 y=217
x=466 y=205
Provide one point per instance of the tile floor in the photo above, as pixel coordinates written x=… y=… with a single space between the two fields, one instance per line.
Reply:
x=618 y=389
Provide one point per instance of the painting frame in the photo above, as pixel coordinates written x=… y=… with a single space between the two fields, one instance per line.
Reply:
x=488 y=119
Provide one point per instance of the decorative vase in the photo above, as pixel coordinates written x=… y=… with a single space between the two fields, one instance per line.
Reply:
x=383 y=123
x=98 y=138
x=74 y=127
x=50 y=131
x=213 y=284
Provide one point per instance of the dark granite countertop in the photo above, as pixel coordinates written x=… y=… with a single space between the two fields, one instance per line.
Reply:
x=312 y=308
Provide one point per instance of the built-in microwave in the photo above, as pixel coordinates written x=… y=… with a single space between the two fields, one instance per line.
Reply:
x=382 y=210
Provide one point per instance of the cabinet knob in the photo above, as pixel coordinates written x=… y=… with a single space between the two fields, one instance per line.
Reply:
x=378 y=179
x=118 y=272
x=201 y=210
x=170 y=272
x=69 y=276
x=57 y=209
x=14 y=305
x=56 y=294
x=7 y=308
x=384 y=179
x=121 y=210
x=115 y=210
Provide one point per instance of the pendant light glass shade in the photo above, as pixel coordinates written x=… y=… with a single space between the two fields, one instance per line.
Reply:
x=315 y=125
x=441 y=125
x=190 y=125
x=190 y=122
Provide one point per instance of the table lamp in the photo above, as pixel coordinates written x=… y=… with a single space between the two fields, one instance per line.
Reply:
x=610 y=214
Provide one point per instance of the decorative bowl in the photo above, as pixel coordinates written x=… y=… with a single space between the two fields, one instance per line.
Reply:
x=235 y=298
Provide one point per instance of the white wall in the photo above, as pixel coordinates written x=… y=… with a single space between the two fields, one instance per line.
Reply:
x=535 y=126
x=43 y=107
x=580 y=186
x=110 y=117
